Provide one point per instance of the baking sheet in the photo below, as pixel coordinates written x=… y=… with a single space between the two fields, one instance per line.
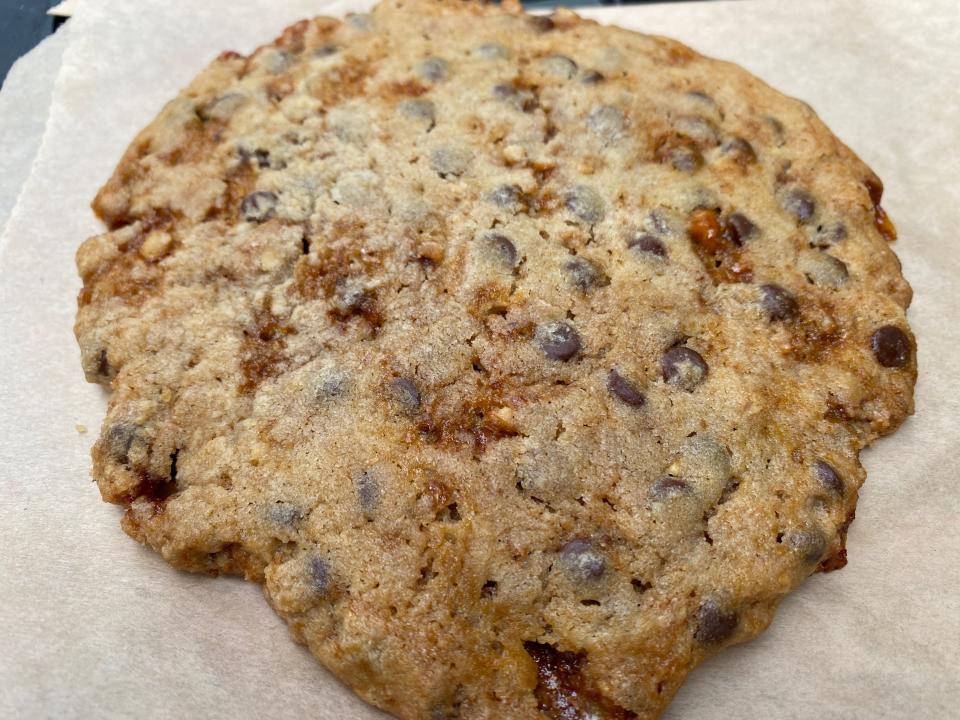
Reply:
x=95 y=626
x=24 y=107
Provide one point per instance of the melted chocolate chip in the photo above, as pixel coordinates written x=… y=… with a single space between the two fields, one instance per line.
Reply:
x=827 y=476
x=591 y=77
x=560 y=65
x=891 y=346
x=799 y=203
x=503 y=249
x=808 y=544
x=585 y=274
x=777 y=302
x=607 y=121
x=830 y=234
x=740 y=228
x=668 y=487
x=506 y=196
x=325 y=51
x=368 y=491
x=258 y=206
x=714 y=622
x=432 y=69
x=418 y=110
x=541 y=23
x=563 y=692
x=585 y=203
x=285 y=514
x=823 y=269
x=450 y=161
x=406 y=393
x=119 y=440
x=558 y=340
x=740 y=149
x=647 y=244
x=582 y=561
x=683 y=367
x=491 y=51
x=624 y=390
x=319 y=576
x=686 y=159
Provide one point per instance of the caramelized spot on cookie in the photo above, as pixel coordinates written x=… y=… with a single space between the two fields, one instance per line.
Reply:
x=838 y=560
x=563 y=691
x=883 y=222
x=263 y=356
x=717 y=243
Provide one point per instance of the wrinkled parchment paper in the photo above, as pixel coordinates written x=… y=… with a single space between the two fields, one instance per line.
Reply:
x=95 y=626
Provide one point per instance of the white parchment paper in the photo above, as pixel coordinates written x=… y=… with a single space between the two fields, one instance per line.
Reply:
x=95 y=626
x=24 y=107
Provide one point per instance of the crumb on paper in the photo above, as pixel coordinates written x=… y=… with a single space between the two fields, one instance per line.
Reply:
x=82 y=429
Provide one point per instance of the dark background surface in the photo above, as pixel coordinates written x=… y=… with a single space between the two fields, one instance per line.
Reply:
x=24 y=23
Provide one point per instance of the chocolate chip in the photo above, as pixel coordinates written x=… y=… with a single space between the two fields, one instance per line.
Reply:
x=707 y=461
x=591 y=77
x=827 y=476
x=541 y=23
x=258 y=206
x=320 y=577
x=777 y=302
x=283 y=513
x=701 y=96
x=418 y=110
x=503 y=249
x=368 y=491
x=624 y=390
x=607 y=121
x=119 y=440
x=560 y=65
x=352 y=298
x=830 y=234
x=668 y=487
x=406 y=393
x=521 y=99
x=360 y=21
x=683 y=367
x=740 y=149
x=715 y=623
x=325 y=51
x=585 y=203
x=582 y=561
x=740 y=228
x=658 y=222
x=491 y=51
x=686 y=159
x=585 y=274
x=450 y=161
x=808 y=544
x=823 y=269
x=331 y=384
x=698 y=128
x=891 y=346
x=798 y=203
x=432 y=69
x=558 y=340
x=223 y=107
x=506 y=196
x=647 y=244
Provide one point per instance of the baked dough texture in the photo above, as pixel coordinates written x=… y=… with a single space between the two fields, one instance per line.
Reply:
x=526 y=362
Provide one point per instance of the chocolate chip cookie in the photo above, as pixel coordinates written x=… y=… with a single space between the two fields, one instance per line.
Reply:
x=525 y=362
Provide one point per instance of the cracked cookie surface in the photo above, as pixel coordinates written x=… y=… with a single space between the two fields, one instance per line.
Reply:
x=526 y=362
